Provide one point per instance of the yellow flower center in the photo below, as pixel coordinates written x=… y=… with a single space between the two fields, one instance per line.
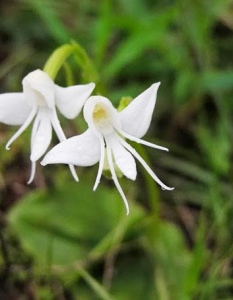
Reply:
x=101 y=115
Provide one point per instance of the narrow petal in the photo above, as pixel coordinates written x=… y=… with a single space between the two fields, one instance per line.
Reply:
x=139 y=141
x=35 y=128
x=101 y=164
x=114 y=177
x=136 y=117
x=123 y=159
x=23 y=127
x=42 y=137
x=70 y=100
x=14 y=109
x=61 y=136
x=145 y=165
x=82 y=150
x=33 y=172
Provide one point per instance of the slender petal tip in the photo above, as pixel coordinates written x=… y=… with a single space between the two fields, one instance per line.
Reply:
x=168 y=188
x=157 y=84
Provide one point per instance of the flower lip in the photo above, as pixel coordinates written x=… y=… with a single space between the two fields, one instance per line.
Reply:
x=100 y=115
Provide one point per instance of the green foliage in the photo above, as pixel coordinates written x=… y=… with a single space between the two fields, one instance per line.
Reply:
x=173 y=245
x=65 y=225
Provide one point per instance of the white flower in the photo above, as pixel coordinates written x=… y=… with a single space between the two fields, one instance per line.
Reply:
x=106 y=136
x=39 y=100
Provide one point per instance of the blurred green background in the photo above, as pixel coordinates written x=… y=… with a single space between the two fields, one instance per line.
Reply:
x=60 y=240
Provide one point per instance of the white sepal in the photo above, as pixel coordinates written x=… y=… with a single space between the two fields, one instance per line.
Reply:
x=82 y=150
x=14 y=109
x=70 y=100
x=136 y=117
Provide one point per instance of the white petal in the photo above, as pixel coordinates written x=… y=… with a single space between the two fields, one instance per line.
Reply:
x=70 y=100
x=123 y=159
x=33 y=172
x=38 y=89
x=139 y=141
x=145 y=165
x=23 y=127
x=114 y=177
x=101 y=163
x=14 y=109
x=61 y=136
x=136 y=117
x=81 y=150
x=42 y=135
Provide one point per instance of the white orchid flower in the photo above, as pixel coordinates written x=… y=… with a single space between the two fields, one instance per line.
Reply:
x=38 y=101
x=106 y=136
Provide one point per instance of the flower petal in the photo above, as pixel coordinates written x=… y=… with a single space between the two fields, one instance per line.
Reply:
x=38 y=89
x=145 y=165
x=61 y=136
x=136 y=117
x=42 y=134
x=82 y=150
x=22 y=127
x=33 y=172
x=139 y=141
x=123 y=159
x=114 y=178
x=70 y=100
x=14 y=109
x=101 y=163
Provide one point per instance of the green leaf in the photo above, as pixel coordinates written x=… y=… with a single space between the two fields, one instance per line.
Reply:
x=62 y=226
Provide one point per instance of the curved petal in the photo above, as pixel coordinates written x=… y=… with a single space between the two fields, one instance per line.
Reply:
x=22 y=127
x=139 y=141
x=38 y=89
x=14 y=109
x=33 y=172
x=61 y=136
x=101 y=163
x=42 y=135
x=145 y=165
x=114 y=178
x=82 y=150
x=70 y=100
x=136 y=117
x=123 y=159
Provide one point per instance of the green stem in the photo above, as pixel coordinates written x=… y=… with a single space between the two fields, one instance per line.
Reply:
x=59 y=57
x=94 y=284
